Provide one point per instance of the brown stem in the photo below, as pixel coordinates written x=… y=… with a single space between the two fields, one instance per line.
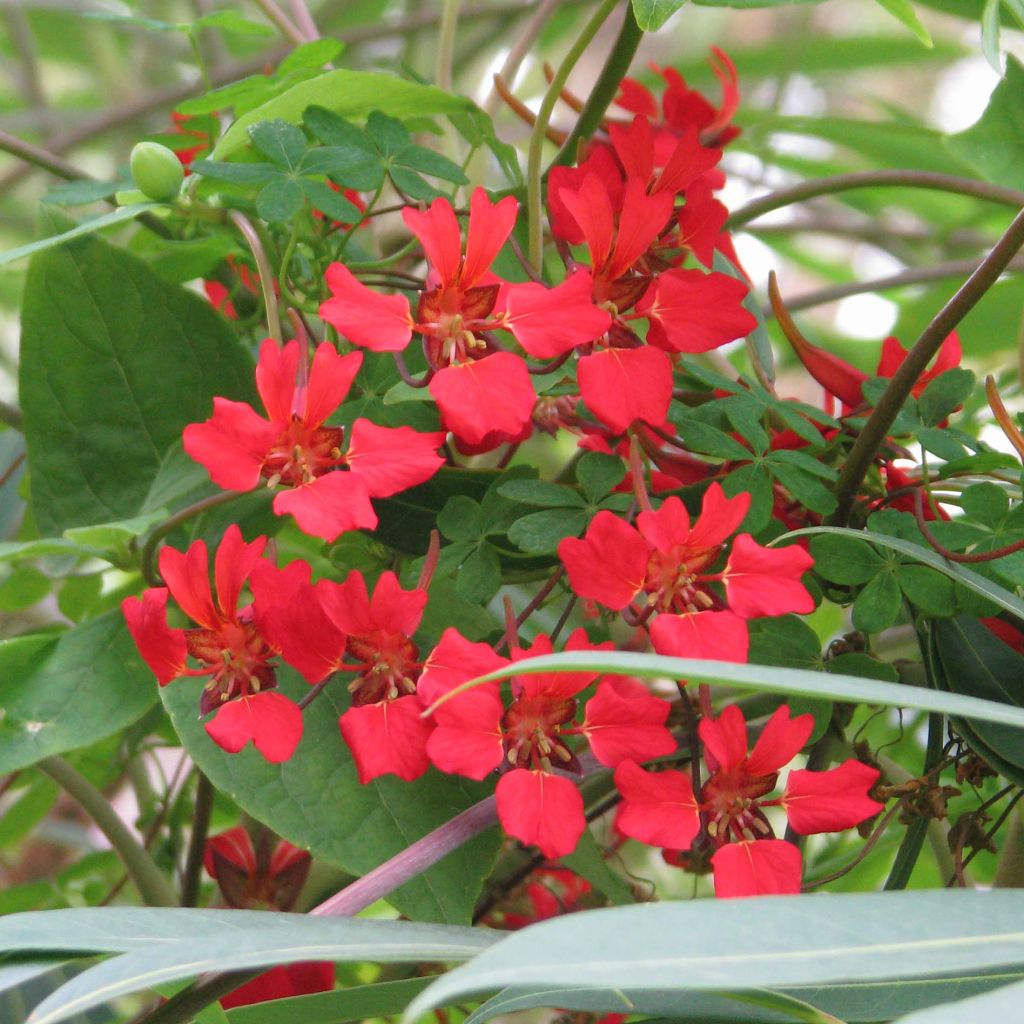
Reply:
x=1003 y=417
x=873 y=179
x=958 y=556
x=902 y=382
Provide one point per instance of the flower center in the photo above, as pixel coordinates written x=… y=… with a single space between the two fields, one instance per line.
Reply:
x=301 y=454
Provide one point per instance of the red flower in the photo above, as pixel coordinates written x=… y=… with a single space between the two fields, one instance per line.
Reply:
x=329 y=491
x=476 y=733
x=660 y=809
x=263 y=878
x=484 y=394
x=383 y=728
x=227 y=643
x=548 y=892
x=667 y=560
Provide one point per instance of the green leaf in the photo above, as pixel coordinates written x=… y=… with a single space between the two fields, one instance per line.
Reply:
x=652 y=14
x=281 y=142
x=1002 y=1004
x=825 y=686
x=994 y=145
x=115 y=541
x=280 y=201
x=315 y=800
x=479 y=576
x=807 y=489
x=926 y=589
x=260 y=945
x=237 y=173
x=121 y=362
x=990 y=35
x=65 y=691
x=330 y=203
x=588 y=861
x=381 y=999
x=181 y=260
x=944 y=395
x=845 y=559
x=89 y=227
x=878 y=605
x=973 y=661
x=958 y=573
x=77 y=193
x=540 y=532
x=781 y=942
x=542 y=493
x=599 y=474
x=461 y=519
x=702 y=437
x=232 y=21
x=23 y=587
x=903 y=12
x=426 y=161
x=350 y=94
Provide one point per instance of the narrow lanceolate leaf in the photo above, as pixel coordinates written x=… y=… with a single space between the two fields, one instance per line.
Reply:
x=63 y=691
x=960 y=573
x=254 y=945
x=827 y=686
x=781 y=942
x=652 y=14
x=1002 y=1004
x=89 y=227
x=115 y=363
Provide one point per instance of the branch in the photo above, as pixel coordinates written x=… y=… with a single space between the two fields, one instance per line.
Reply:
x=871 y=179
x=901 y=383
x=148 y=879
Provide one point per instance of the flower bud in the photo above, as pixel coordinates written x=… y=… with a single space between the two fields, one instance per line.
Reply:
x=156 y=170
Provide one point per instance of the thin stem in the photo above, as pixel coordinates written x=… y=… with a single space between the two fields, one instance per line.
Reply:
x=873 y=179
x=11 y=415
x=1003 y=417
x=149 y=573
x=282 y=22
x=148 y=879
x=259 y=254
x=534 y=203
x=197 y=841
x=304 y=20
x=905 y=278
x=958 y=556
x=40 y=157
x=603 y=92
x=520 y=48
x=446 y=44
x=901 y=383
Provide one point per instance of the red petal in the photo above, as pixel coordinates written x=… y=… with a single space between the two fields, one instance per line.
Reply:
x=232 y=564
x=640 y=223
x=830 y=801
x=724 y=739
x=276 y=374
x=391 y=610
x=456 y=660
x=542 y=810
x=780 y=741
x=232 y=444
x=700 y=221
x=622 y=385
x=282 y=982
x=269 y=719
x=187 y=575
x=766 y=581
x=760 y=868
x=381 y=323
x=719 y=517
x=716 y=636
x=329 y=506
x=292 y=620
x=609 y=564
x=461 y=749
x=591 y=208
x=835 y=375
x=390 y=459
x=234 y=846
x=636 y=98
x=634 y=146
x=550 y=321
x=689 y=160
x=439 y=234
x=601 y=163
x=490 y=224
x=330 y=379
x=626 y=728
x=162 y=648
x=691 y=311
x=657 y=808
x=388 y=738
x=666 y=527
x=489 y=395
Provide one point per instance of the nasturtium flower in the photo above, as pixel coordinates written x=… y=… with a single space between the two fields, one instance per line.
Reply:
x=227 y=643
x=483 y=392
x=531 y=738
x=328 y=487
x=384 y=728
x=661 y=808
x=666 y=563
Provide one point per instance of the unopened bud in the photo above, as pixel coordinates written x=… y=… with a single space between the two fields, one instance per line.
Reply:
x=156 y=171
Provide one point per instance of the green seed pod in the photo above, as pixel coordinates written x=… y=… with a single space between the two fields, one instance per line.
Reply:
x=156 y=170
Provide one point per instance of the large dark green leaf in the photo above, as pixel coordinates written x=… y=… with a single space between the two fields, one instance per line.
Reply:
x=316 y=801
x=114 y=364
x=784 y=941
x=63 y=691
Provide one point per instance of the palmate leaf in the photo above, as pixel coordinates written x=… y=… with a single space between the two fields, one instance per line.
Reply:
x=724 y=945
